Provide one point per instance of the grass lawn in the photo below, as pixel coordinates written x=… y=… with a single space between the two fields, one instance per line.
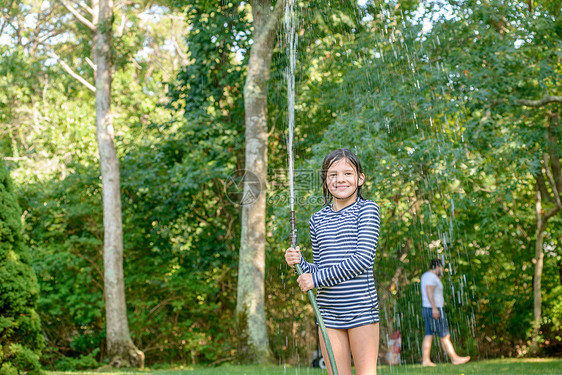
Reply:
x=490 y=367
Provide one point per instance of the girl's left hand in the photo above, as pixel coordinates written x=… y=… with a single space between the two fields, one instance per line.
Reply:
x=305 y=282
x=293 y=256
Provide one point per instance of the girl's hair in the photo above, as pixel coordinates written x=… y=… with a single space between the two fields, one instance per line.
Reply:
x=331 y=158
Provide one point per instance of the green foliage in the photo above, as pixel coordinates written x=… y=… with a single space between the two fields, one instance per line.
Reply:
x=21 y=340
x=554 y=313
x=18 y=359
x=84 y=362
x=449 y=156
x=493 y=62
x=64 y=226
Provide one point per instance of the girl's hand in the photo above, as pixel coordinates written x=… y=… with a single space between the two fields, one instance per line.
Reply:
x=305 y=282
x=293 y=256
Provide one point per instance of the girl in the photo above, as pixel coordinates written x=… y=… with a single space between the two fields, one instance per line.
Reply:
x=344 y=238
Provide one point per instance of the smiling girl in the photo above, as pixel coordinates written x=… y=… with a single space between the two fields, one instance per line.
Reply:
x=344 y=238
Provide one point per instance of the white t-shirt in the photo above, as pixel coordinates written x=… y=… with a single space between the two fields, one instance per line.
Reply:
x=429 y=278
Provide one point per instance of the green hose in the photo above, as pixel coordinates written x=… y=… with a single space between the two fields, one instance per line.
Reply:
x=322 y=326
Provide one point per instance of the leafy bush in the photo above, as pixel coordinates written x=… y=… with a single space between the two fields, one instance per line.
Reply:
x=84 y=362
x=21 y=340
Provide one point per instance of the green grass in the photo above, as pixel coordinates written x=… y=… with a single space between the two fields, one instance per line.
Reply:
x=490 y=367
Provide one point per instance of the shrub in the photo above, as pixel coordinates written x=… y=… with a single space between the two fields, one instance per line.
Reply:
x=21 y=340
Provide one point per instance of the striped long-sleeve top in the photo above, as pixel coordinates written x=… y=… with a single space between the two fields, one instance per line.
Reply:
x=344 y=245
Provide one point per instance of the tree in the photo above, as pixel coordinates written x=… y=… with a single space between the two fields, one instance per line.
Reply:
x=21 y=339
x=250 y=305
x=547 y=194
x=120 y=347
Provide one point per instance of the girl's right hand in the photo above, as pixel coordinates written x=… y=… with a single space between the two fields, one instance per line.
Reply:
x=293 y=256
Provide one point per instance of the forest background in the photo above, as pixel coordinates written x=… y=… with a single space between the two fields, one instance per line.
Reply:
x=452 y=106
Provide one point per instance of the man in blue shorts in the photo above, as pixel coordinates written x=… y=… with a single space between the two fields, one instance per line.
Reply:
x=434 y=315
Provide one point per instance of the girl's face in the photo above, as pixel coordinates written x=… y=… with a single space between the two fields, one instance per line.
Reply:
x=342 y=180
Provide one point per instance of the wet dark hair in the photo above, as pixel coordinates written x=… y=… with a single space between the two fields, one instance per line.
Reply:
x=331 y=158
x=435 y=263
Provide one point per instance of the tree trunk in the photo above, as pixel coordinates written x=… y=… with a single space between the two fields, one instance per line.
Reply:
x=250 y=307
x=553 y=172
x=560 y=269
x=539 y=257
x=120 y=348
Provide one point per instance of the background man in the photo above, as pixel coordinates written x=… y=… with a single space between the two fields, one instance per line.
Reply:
x=434 y=315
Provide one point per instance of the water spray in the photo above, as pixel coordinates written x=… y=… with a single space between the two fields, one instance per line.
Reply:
x=290 y=26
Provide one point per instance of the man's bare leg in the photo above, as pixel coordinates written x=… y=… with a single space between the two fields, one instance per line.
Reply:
x=426 y=350
x=448 y=346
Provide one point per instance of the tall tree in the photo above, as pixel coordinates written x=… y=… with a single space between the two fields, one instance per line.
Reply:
x=120 y=348
x=548 y=193
x=251 y=270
